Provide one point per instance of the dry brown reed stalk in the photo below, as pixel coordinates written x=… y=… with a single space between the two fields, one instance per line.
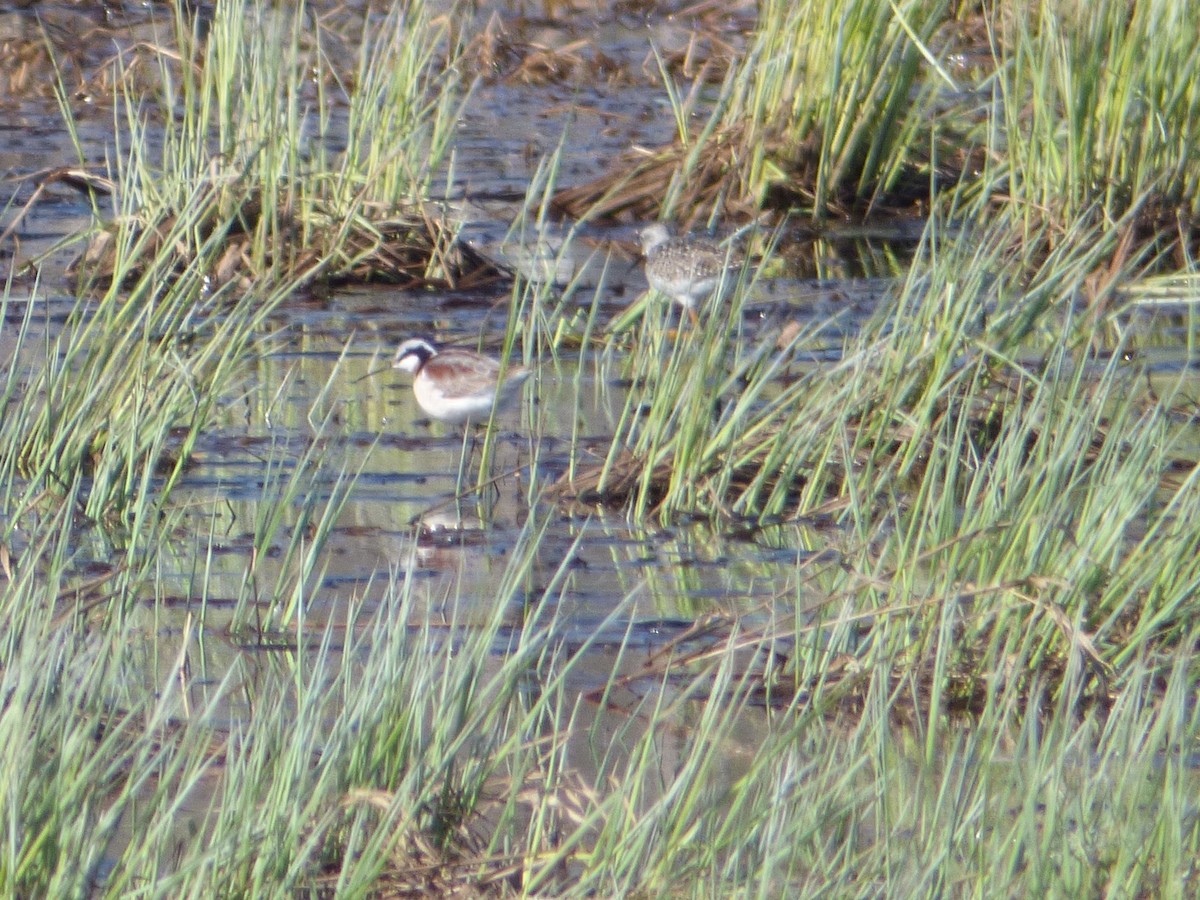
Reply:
x=762 y=652
x=80 y=179
x=635 y=186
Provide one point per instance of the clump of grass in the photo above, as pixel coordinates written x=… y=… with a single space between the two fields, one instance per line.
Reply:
x=391 y=750
x=228 y=198
x=1097 y=113
x=388 y=751
x=831 y=109
x=111 y=415
x=837 y=103
x=847 y=108
x=962 y=463
x=1016 y=542
x=234 y=125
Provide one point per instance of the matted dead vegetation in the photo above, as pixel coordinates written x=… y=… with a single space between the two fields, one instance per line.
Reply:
x=415 y=251
x=634 y=188
x=503 y=51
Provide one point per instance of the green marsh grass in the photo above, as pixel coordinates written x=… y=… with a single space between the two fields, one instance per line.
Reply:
x=126 y=389
x=389 y=749
x=1016 y=516
x=231 y=142
x=1091 y=109
x=1098 y=109
x=1087 y=112
x=237 y=133
x=970 y=437
x=226 y=144
x=1054 y=114
x=308 y=504
x=831 y=109
x=838 y=91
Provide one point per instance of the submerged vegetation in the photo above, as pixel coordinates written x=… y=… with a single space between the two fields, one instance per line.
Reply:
x=982 y=675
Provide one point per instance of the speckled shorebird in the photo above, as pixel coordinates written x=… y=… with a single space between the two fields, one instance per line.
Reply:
x=687 y=271
x=456 y=385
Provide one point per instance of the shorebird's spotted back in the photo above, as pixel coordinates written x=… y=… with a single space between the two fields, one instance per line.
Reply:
x=687 y=271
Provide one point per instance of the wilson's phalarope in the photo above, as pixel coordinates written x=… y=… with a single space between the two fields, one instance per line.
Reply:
x=456 y=385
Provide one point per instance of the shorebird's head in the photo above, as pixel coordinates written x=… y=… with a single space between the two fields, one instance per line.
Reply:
x=413 y=354
x=653 y=237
